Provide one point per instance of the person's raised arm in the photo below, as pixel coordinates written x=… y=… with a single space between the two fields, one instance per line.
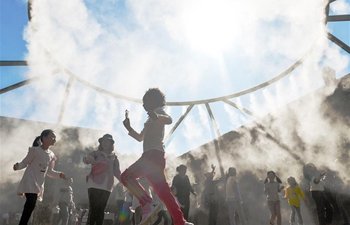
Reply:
x=137 y=136
x=162 y=118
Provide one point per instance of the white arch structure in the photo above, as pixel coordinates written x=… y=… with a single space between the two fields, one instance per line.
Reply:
x=190 y=104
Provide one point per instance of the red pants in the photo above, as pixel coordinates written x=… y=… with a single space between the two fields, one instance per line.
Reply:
x=151 y=166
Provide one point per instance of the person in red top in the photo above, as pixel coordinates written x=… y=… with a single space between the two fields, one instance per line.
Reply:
x=152 y=162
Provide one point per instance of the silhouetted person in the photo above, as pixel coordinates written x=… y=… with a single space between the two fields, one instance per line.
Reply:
x=184 y=188
x=210 y=196
x=323 y=207
x=233 y=197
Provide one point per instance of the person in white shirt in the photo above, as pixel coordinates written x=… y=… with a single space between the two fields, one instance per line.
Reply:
x=233 y=197
x=272 y=190
x=39 y=162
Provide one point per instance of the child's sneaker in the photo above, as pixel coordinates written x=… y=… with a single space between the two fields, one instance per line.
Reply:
x=188 y=223
x=148 y=211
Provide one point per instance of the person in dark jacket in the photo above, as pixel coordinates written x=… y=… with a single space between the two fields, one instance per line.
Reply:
x=184 y=188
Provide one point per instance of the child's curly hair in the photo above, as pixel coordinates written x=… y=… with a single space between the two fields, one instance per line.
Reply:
x=157 y=95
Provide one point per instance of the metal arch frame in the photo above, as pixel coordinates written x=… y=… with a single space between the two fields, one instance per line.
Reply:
x=189 y=104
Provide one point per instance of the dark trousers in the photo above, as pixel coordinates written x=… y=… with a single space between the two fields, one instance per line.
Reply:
x=343 y=201
x=323 y=207
x=64 y=212
x=213 y=213
x=185 y=200
x=97 y=203
x=28 y=208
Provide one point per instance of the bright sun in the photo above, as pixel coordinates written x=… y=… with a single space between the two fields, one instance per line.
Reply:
x=211 y=26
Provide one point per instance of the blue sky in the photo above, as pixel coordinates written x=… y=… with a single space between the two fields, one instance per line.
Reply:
x=127 y=47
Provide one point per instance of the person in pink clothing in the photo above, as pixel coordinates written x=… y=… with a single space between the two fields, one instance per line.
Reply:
x=152 y=162
x=39 y=163
x=105 y=166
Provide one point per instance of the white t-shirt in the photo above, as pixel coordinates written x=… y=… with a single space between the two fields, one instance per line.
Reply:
x=152 y=133
x=272 y=191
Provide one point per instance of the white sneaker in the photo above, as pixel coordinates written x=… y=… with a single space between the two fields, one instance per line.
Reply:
x=148 y=211
x=188 y=223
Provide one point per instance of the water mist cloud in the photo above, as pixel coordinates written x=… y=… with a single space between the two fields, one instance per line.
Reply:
x=185 y=48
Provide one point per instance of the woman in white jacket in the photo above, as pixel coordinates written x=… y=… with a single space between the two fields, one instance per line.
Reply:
x=39 y=162
x=105 y=166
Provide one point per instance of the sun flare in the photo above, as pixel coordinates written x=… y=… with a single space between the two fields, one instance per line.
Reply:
x=211 y=27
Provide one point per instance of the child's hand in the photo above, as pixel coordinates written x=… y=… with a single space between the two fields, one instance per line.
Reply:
x=182 y=206
x=152 y=115
x=126 y=123
x=89 y=159
x=63 y=176
x=15 y=167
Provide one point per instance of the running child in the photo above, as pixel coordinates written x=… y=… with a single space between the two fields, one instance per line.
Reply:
x=292 y=193
x=152 y=162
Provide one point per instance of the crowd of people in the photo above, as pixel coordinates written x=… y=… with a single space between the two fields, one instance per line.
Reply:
x=143 y=189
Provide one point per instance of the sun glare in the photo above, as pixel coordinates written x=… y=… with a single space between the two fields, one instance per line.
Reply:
x=211 y=26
